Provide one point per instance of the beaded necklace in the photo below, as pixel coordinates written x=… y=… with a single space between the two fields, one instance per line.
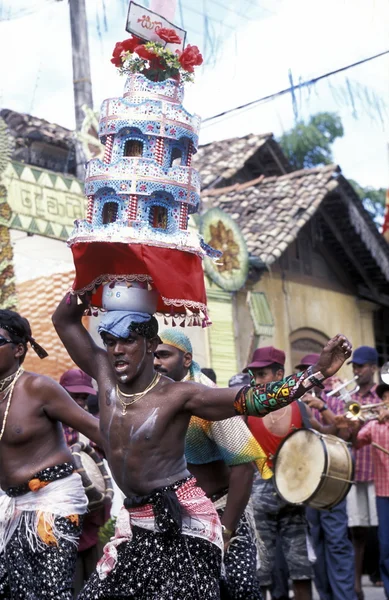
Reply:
x=10 y=394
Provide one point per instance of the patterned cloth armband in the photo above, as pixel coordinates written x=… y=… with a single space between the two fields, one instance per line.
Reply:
x=260 y=399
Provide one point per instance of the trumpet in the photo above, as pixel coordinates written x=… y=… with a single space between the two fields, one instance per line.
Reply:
x=342 y=391
x=364 y=412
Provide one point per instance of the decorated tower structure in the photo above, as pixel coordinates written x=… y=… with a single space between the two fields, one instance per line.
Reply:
x=140 y=195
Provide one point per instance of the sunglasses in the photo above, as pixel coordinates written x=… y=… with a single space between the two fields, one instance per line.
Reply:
x=4 y=341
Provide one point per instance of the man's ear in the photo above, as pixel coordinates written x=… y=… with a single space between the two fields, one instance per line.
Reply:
x=20 y=350
x=187 y=361
x=152 y=345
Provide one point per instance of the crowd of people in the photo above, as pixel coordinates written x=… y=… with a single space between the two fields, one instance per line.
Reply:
x=202 y=516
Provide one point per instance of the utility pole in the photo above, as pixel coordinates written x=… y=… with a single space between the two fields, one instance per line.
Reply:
x=82 y=83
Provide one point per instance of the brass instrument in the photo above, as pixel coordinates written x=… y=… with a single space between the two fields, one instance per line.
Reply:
x=342 y=391
x=364 y=412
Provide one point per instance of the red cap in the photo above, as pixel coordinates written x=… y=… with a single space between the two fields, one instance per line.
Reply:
x=308 y=361
x=263 y=357
x=77 y=381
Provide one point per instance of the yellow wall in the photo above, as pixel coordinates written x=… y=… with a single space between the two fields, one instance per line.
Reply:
x=296 y=305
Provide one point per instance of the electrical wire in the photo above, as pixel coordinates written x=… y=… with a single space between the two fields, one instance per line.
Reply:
x=300 y=85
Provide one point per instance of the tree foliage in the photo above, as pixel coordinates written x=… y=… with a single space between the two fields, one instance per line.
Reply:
x=309 y=144
x=373 y=200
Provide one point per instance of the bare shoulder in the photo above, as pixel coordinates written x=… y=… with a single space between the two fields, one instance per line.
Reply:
x=38 y=384
x=181 y=391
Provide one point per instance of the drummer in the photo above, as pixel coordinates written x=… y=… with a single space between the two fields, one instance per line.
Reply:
x=80 y=387
x=334 y=568
x=272 y=514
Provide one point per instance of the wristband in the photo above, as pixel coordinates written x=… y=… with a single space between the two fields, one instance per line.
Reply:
x=323 y=408
x=313 y=379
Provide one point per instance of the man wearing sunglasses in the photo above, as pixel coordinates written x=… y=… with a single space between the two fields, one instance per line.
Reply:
x=44 y=500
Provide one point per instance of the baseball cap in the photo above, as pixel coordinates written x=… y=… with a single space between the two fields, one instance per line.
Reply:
x=308 y=360
x=263 y=357
x=240 y=379
x=77 y=381
x=363 y=355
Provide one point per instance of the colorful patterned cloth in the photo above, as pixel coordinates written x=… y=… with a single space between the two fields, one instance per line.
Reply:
x=151 y=556
x=260 y=399
x=377 y=432
x=364 y=470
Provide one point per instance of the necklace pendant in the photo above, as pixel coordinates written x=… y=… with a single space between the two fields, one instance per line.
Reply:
x=124 y=410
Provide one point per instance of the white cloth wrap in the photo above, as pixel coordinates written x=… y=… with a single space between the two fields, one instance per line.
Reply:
x=60 y=498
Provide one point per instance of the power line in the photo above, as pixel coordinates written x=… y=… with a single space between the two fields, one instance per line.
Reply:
x=294 y=87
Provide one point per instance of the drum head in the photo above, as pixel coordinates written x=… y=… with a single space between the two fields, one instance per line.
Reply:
x=94 y=473
x=299 y=465
x=95 y=478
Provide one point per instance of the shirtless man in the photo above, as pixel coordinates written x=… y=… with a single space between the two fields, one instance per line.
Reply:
x=168 y=537
x=221 y=456
x=40 y=510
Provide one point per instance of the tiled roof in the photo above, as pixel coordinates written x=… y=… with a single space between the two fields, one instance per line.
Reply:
x=27 y=127
x=37 y=300
x=271 y=211
x=219 y=162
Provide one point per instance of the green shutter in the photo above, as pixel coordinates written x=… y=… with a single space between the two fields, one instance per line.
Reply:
x=261 y=314
x=221 y=336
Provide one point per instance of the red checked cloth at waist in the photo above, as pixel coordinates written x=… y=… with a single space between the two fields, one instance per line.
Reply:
x=199 y=519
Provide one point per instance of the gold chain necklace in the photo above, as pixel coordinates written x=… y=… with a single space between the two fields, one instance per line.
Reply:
x=139 y=395
x=18 y=374
x=273 y=420
x=6 y=382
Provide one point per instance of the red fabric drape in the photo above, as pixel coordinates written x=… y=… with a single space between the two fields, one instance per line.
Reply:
x=176 y=275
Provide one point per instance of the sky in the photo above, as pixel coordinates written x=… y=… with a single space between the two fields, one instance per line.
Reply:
x=250 y=48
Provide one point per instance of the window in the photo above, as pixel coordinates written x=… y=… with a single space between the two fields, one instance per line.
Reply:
x=306 y=341
x=176 y=158
x=133 y=148
x=110 y=212
x=158 y=216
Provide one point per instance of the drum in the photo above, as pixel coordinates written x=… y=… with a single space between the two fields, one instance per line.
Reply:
x=95 y=479
x=313 y=469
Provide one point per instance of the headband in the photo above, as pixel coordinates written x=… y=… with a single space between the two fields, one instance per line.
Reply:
x=41 y=352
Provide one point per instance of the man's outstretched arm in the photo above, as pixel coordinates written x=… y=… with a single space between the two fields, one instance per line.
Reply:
x=76 y=339
x=258 y=400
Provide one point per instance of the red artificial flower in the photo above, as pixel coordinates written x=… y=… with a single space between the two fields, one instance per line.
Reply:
x=168 y=35
x=143 y=52
x=122 y=47
x=117 y=55
x=130 y=44
x=190 y=58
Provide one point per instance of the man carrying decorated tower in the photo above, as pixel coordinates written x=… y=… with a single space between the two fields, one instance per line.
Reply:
x=135 y=255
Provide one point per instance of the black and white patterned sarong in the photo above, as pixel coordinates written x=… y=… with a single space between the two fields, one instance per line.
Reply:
x=40 y=571
x=163 y=563
x=239 y=580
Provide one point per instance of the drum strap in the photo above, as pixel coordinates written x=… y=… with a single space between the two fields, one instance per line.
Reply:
x=304 y=415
